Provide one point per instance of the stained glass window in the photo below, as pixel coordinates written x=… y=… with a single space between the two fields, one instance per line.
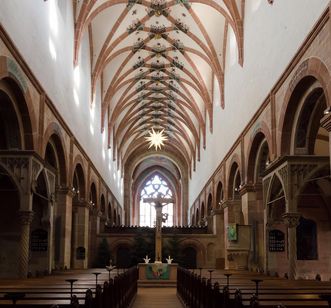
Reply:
x=155 y=185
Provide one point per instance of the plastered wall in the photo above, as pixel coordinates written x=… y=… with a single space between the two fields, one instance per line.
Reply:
x=44 y=36
x=272 y=36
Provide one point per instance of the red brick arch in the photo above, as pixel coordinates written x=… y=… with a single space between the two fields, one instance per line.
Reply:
x=97 y=199
x=311 y=67
x=255 y=141
x=79 y=161
x=235 y=159
x=27 y=107
x=54 y=129
x=198 y=246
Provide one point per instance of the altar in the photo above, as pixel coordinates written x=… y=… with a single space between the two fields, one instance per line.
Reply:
x=157 y=274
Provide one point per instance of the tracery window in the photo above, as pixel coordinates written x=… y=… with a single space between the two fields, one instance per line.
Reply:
x=155 y=185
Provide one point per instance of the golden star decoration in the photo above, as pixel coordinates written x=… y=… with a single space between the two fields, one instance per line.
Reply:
x=156 y=139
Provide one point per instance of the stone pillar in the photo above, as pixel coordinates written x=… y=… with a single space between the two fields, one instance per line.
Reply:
x=252 y=209
x=237 y=212
x=64 y=226
x=218 y=230
x=248 y=204
x=232 y=214
x=93 y=232
x=291 y=220
x=25 y=220
x=80 y=238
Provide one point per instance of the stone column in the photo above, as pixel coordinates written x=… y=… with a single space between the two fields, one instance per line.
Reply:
x=81 y=235
x=93 y=232
x=64 y=219
x=219 y=231
x=252 y=209
x=291 y=220
x=248 y=202
x=25 y=220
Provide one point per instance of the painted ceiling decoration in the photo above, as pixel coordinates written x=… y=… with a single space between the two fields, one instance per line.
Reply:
x=153 y=62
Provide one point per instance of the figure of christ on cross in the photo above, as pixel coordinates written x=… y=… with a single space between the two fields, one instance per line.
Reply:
x=159 y=202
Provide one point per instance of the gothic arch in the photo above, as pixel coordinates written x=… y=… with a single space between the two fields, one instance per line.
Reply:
x=198 y=246
x=234 y=181
x=259 y=136
x=320 y=172
x=197 y=217
x=202 y=211
x=163 y=174
x=310 y=70
x=209 y=204
x=78 y=168
x=118 y=242
x=18 y=84
x=109 y=212
x=171 y=181
x=102 y=204
x=219 y=194
x=93 y=196
x=53 y=136
x=273 y=194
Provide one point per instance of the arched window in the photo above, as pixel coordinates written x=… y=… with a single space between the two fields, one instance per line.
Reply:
x=155 y=185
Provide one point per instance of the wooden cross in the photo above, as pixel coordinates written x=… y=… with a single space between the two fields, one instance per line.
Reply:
x=159 y=202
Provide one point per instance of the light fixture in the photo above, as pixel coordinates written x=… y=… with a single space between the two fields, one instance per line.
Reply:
x=156 y=138
x=327 y=110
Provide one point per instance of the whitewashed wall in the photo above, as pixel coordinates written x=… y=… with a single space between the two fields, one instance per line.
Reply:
x=43 y=32
x=272 y=35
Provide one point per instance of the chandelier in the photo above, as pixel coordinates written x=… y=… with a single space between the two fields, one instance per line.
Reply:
x=156 y=138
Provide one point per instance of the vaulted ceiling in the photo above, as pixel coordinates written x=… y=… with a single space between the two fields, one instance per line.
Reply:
x=153 y=63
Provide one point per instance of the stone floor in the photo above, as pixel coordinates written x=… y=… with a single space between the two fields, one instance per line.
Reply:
x=157 y=297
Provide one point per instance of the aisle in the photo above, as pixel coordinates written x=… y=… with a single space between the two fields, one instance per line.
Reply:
x=157 y=298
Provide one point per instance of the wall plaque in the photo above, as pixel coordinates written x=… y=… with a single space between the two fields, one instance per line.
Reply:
x=276 y=241
x=39 y=240
x=232 y=232
x=80 y=253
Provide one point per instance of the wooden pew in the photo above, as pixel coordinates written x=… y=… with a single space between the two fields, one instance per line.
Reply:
x=54 y=290
x=273 y=291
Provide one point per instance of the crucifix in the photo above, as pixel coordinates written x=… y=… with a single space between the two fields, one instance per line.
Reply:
x=159 y=202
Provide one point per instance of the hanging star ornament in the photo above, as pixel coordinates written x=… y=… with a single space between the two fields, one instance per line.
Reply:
x=156 y=139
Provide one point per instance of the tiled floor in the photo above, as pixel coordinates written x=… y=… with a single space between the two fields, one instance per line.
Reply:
x=157 y=298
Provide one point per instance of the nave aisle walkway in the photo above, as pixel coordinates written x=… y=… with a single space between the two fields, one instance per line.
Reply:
x=157 y=298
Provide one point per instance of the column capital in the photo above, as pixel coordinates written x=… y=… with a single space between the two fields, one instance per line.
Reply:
x=25 y=217
x=326 y=120
x=217 y=211
x=246 y=188
x=70 y=191
x=291 y=219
